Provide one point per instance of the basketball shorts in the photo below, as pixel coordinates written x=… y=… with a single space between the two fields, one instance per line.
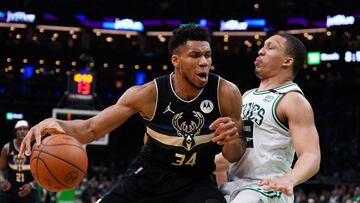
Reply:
x=146 y=183
x=258 y=195
x=246 y=190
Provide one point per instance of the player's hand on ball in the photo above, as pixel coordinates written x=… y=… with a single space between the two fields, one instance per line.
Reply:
x=47 y=126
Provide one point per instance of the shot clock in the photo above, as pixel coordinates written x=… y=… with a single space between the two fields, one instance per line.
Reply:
x=81 y=85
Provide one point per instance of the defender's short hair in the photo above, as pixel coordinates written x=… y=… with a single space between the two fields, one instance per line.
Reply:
x=296 y=49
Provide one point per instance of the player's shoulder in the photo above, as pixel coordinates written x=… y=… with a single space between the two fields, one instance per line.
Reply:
x=227 y=85
x=141 y=89
x=139 y=95
x=248 y=91
x=6 y=147
x=228 y=93
x=295 y=99
x=294 y=96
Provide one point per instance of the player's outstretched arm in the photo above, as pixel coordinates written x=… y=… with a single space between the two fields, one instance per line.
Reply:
x=134 y=100
x=306 y=142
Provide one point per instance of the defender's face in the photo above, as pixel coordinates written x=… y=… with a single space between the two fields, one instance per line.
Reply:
x=271 y=57
x=193 y=61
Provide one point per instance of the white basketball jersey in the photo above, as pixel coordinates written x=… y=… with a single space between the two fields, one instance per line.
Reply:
x=269 y=149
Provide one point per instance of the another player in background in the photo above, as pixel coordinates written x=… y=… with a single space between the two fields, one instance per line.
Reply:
x=190 y=116
x=16 y=181
x=278 y=121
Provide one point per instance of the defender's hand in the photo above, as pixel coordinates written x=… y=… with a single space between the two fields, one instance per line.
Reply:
x=279 y=185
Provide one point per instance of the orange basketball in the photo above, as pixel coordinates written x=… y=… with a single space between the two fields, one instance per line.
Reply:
x=59 y=163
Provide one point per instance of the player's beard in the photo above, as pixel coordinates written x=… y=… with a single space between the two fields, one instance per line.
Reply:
x=191 y=82
x=198 y=87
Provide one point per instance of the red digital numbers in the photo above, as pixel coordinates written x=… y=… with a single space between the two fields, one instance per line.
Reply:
x=84 y=88
x=84 y=82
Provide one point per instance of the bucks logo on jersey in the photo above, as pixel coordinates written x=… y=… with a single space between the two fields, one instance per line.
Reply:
x=188 y=130
x=17 y=163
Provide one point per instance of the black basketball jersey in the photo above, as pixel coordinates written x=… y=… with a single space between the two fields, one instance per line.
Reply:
x=18 y=169
x=179 y=137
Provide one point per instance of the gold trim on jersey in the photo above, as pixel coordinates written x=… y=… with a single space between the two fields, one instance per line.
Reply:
x=16 y=167
x=177 y=141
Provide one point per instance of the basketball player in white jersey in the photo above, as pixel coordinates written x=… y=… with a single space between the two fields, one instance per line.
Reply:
x=278 y=122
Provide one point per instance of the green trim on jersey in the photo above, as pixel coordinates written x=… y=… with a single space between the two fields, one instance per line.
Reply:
x=269 y=194
x=277 y=120
x=258 y=92
x=284 y=86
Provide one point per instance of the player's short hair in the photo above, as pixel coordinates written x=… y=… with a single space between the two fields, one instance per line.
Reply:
x=185 y=33
x=296 y=49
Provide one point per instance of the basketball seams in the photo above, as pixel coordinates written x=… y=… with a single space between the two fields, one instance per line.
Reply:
x=50 y=138
x=48 y=169
x=40 y=151
x=53 y=145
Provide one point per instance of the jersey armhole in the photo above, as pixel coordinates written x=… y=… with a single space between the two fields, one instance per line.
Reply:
x=218 y=95
x=282 y=124
x=156 y=102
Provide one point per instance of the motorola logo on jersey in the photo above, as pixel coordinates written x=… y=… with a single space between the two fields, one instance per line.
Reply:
x=207 y=106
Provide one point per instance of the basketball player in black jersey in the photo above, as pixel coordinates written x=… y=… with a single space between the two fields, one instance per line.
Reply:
x=16 y=181
x=190 y=116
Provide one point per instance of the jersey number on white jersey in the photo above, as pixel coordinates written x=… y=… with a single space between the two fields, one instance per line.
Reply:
x=248 y=131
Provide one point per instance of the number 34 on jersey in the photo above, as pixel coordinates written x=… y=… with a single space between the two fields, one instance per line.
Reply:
x=182 y=159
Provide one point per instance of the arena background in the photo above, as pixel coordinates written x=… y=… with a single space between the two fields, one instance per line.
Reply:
x=43 y=43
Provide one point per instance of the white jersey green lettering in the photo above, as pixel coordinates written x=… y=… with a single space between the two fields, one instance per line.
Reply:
x=269 y=153
x=269 y=150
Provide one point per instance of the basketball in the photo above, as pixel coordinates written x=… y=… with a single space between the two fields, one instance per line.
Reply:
x=59 y=163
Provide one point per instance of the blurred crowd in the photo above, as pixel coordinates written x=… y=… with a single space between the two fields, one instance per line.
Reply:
x=100 y=180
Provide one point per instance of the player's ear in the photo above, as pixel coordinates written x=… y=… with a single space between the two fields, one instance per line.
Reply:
x=175 y=60
x=288 y=61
